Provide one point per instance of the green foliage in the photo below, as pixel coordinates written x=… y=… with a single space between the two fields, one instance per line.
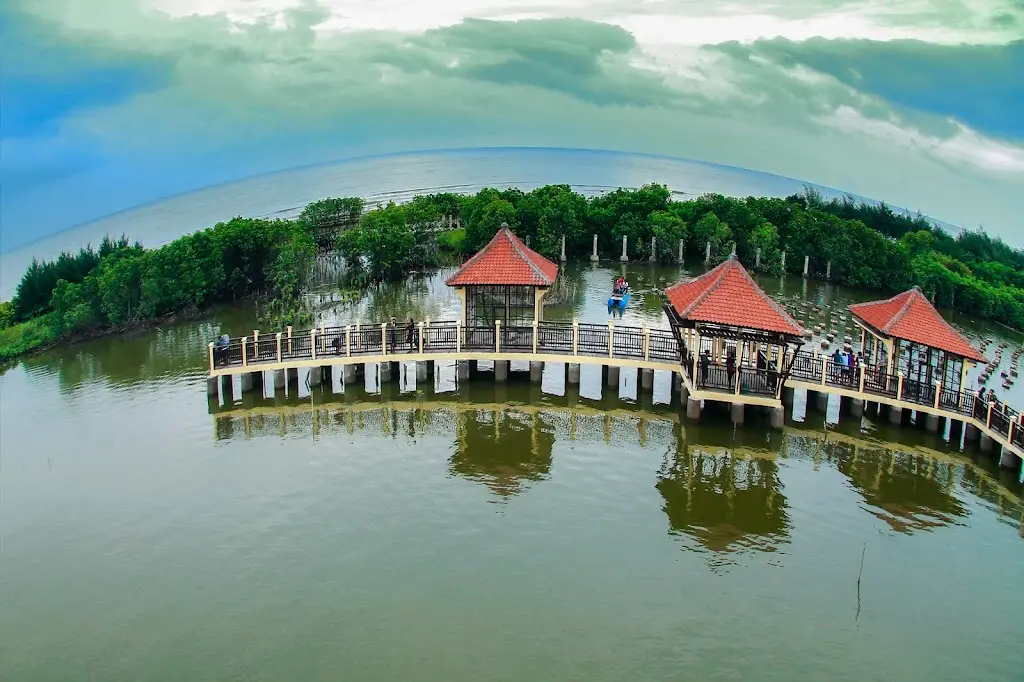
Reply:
x=453 y=241
x=323 y=219
x=6 y=314
x=24 y=337
x=668 y=229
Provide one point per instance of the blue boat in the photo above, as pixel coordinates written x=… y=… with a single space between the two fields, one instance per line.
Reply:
x=619 y=301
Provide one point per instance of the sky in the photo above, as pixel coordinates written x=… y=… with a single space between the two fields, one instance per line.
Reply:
x=107 y=104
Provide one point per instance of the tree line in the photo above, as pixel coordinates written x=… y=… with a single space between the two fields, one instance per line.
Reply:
x=870 y=246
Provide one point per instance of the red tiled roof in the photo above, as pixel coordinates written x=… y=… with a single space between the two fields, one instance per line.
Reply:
x=505 y=260
x=912 y=317
x=728 y=296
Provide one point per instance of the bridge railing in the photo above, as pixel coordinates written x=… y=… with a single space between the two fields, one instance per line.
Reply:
x=663 y=346
x=806 y=367
x=763 y=382
x=554 y=337
x=919 y=392
x=960 y=402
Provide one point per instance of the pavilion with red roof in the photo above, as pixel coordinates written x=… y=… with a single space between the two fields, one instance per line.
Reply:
x=906 y=334
x=504 y=282
x=735 y=337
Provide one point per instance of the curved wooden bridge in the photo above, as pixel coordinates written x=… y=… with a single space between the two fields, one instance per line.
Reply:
x=615 y=347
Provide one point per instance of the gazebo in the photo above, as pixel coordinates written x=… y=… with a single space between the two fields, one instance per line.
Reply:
x=907 y=334
x=735 y=338
x=504 y=282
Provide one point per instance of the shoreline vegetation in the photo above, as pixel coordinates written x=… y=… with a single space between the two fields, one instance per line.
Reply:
x=121 y=286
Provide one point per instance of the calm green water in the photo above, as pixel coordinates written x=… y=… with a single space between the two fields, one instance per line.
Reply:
x=486 y=533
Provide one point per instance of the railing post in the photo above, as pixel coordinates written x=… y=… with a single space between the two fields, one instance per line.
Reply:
x=421 y=338
x=899 y=386
x=458 y=336
x=312 y=343
x=383 y=338
x=426 y=328
x=245 y=343
x=279 y=347
x=988 y=418
x=348 y=340
x=611 y=339
x=289 y=330
x=647 y=342
x=824 y=369
x=497 y=336
x=862 y=378
x=938 y=393
x=535 y=337
x=211 y=358
x=575 y=337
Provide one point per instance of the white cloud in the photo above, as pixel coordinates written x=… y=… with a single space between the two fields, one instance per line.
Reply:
x=965 y=146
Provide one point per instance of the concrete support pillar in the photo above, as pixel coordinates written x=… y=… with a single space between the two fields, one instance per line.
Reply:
x=783 y=262
x=828 y=270
x=707 y=253
x=1008 y=460
x=985 y=444
x=474 y=367
x=349 y=375
x=246 y=381
x=593 y=256
x=692 y=409
x=562 y=258
x=421 y=371
x=462 y=370
x=931 y=422
x=385 y=372
x=327 y=371
x=536 y=372
x=857 y=408
x=292 y=373
x=647 y=379
x=278 y=379
x=612 y=376
x=501 y=370
x=820 y=401
x=654 y=249
x=757 y=259
x=807 y=264
x=971 y=433
x=574 y=374
x=625 y=254
x=227 y=388
x=777 y=415
x=787 y=395
x=736 y=413
x=895 y=415
x=316 y=377
x=682 y=244
x=211 y=387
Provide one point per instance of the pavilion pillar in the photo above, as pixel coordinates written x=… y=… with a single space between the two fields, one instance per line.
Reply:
x=647 y=379
x=692 y=409
x=593 y=256
x=895 y=415
x=536 y=372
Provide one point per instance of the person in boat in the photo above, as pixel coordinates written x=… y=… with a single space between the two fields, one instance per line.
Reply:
x=617 y=289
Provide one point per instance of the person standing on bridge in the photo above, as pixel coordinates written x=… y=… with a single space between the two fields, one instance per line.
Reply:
x=392 y=332
x=410 y=334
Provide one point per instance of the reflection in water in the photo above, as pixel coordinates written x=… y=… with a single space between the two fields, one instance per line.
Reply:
x=727 y=496
x=725 y=502
x=503 y=449
x=908 y=491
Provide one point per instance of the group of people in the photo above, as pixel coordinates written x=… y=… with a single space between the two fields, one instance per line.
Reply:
x=621 y=286
x=848 y=363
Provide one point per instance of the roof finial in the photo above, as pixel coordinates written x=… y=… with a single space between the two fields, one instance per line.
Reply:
x=504 y=225
x=732 y=255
